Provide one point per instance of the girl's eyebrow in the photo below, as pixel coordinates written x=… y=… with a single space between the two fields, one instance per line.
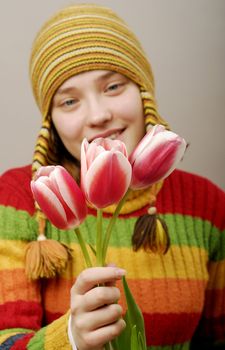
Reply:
x=65 y=90
x=103 y=76
x=107 y=75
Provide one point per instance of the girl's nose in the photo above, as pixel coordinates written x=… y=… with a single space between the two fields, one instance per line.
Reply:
x=98 y=113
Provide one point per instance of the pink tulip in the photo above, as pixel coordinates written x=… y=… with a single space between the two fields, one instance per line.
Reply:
x=59 y=197
x=105 y=171
x=156 y=156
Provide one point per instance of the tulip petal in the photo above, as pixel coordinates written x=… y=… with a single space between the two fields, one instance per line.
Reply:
x=44 y=171
x=49 y=203
x=92 y=152
x=110 y=145
x=84 y=147
x=146 y=142
x=177 y=157
x=107 y=179
x=105 y=171
x=59 y=197
x=70 y=194
x=159 y=160
x=52 y=185
x=105 y=143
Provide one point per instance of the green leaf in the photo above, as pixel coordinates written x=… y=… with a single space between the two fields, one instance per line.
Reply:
x=115 y=344
x=134 y=314
x=141 y=342
x=134 y=339
x=133 y=336
x=123 y=341
x=92 y=249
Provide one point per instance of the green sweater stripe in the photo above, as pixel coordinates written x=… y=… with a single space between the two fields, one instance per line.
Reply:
x=184 y=346
x=207 y=236
x=38 y=341
x=15 y=330
x=26 y=226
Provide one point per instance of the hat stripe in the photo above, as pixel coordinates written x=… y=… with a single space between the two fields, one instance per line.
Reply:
x=81 y=38
x=55 y=32
x=77 y=31
x=90 y=32
x=79 y=20
x=80 y=52
x=107 y=53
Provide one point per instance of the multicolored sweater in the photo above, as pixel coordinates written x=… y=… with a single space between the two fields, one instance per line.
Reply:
x=181 y=294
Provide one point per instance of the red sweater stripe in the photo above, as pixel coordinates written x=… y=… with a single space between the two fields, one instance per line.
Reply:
x=20 y=314
x=196 y=203
x=156 y=323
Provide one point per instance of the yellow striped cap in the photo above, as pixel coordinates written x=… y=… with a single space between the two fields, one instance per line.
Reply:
x=80 y=38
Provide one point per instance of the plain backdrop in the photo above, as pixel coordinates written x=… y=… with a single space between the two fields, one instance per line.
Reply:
x=184 y=41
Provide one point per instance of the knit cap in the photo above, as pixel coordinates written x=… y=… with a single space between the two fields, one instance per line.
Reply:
x=77 y=39
x=80 y=38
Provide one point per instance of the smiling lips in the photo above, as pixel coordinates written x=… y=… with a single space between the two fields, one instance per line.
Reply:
x=113 y=134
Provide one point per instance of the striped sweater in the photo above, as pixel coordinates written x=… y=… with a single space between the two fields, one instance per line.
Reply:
x=181 y=294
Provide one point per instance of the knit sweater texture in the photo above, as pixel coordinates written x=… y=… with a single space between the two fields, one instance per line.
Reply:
x=181 y=293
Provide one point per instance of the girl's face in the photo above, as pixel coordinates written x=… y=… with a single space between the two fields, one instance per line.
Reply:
x=95 y=104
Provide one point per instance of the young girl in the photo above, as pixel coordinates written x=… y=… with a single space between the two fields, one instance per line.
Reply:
x=91 y=78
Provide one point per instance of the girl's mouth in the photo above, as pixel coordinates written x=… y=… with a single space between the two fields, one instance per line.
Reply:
x=113 y=134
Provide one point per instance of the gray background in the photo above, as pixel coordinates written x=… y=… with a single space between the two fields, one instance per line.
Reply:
x=185 y=43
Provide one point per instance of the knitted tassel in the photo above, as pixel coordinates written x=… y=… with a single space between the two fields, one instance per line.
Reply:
x=45 y=258
x=151 y=233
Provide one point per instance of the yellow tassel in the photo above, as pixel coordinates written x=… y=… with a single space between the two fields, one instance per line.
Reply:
x=151 y=233
x=45 y=258
x=161 y=238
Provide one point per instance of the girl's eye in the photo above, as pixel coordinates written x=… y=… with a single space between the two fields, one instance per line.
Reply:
x=113 y=87
x=69 y=102
x=116 y=87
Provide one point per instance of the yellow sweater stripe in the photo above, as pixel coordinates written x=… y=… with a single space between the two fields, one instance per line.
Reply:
x=157 y=266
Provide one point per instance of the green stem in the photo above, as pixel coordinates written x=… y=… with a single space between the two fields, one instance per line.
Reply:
x=83 y=247
x=99 y=238
x=107 y=346
x=111 y=224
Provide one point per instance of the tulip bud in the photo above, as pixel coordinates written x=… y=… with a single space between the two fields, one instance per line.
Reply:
x=105 y=171
x=59 y=197
x=156 y=156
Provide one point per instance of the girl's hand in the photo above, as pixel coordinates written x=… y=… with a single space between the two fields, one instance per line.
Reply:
x=96 y=318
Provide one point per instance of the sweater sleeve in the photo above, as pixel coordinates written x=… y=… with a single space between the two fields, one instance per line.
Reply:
x=21 y=304
x=211 y=329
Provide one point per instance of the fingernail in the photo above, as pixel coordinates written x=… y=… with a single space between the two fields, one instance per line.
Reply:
x=120 y=272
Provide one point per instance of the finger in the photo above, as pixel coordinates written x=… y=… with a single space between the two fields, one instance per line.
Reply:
x=113 y=283
x=111 y=264
x=110 y=284
x=89 y=278
x=105 y=316
x=99 y=296
x=93 y=320
x=101 y=336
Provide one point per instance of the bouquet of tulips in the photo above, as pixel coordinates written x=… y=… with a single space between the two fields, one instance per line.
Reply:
x=107 y=175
